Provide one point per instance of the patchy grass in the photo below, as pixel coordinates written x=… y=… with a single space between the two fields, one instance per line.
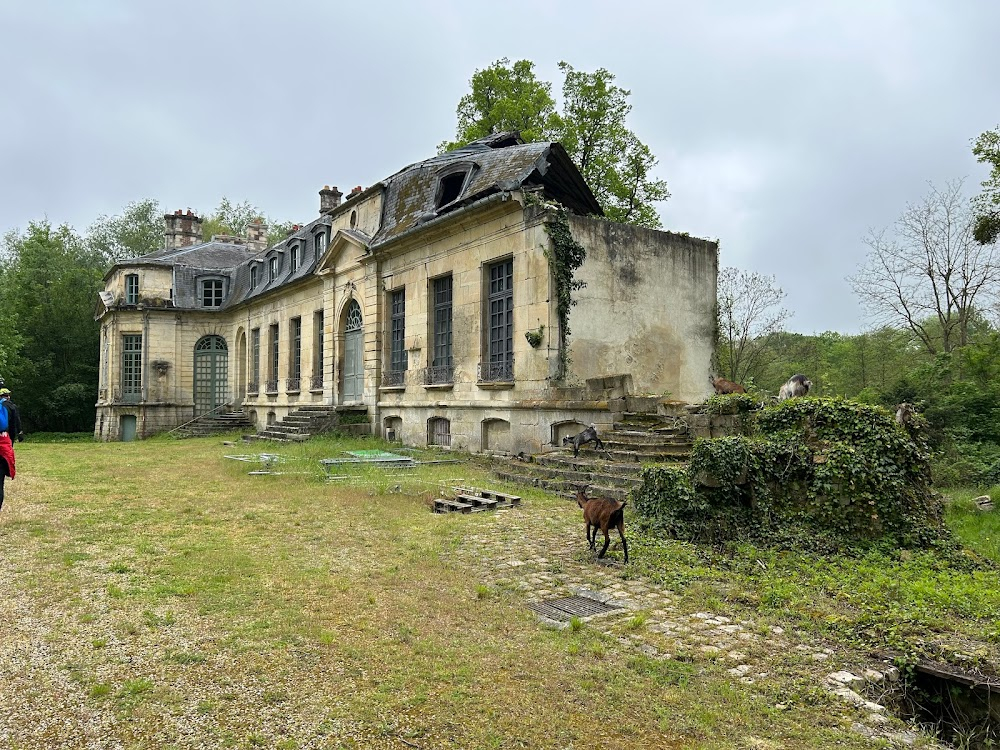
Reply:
x=170 y=599
x=903 y=601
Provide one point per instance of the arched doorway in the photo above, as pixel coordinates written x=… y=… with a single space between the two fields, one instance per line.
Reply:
x=211 y=374
x=354 y=354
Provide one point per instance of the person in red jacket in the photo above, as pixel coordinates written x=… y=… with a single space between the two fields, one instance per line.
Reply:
x=6 y=444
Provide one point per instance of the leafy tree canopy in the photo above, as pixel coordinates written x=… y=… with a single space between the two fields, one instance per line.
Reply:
x=51 y=277
x=591 y=126
x=136 y=231
x=234 y=219
x=987 y=150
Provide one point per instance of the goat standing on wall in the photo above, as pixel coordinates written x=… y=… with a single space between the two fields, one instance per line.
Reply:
x=723 y=386
x=797 y=385
x=602 y=513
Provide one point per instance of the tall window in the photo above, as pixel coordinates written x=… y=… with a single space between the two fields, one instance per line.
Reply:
x=132 y=289
x=253 y=275
x=294 y=258
x=500 y=363
x=272 y=371
x=441 y=361
x=397 y=336
x=317 y=376
x=211 y=293
x=273 y=268
x=132 y=367
x=320 y=243
x=295 y=363
x=254 y=385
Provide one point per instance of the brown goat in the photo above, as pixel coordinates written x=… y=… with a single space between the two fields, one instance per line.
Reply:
x=604 y=514
x=722 y=386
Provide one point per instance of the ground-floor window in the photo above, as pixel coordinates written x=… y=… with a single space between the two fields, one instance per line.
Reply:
x=438 y=431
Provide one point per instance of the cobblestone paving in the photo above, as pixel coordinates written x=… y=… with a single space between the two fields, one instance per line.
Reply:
x=529 y=551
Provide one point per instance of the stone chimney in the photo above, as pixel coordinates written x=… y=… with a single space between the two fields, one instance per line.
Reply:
x=329 y=199
x=181 y=229
x=256 y=236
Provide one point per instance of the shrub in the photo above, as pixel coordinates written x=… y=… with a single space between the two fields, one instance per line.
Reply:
x=813 y=471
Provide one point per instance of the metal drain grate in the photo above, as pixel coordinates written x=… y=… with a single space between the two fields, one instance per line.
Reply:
x=569 y=607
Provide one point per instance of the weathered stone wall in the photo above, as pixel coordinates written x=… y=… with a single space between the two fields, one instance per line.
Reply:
x=648 y=308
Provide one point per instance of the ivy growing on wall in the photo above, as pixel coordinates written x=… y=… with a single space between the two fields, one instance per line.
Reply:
x=815 y=472
x=565 y=256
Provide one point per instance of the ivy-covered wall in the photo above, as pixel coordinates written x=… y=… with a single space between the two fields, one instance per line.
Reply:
x=819 y=472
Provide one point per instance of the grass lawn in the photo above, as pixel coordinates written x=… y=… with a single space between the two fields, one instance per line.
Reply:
x=154 y=595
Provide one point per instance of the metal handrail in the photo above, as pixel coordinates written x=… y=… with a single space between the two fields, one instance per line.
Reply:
x=220 y=407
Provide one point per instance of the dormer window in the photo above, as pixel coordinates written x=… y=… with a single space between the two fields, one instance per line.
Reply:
x=320 y=243
x=272 y=267
x=452 y=184
x=294 y=258
x=132 y=289
x=211 y=293
x=253 y=276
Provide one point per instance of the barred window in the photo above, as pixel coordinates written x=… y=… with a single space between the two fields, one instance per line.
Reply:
x=398 y=357
x=131 y=366
x=132 y=289
x=255 y=355
x=296 y=336
x=442 y=321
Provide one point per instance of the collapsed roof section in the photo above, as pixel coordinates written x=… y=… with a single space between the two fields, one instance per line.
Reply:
x=501 y=162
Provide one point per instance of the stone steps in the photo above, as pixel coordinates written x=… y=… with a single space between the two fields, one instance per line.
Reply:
x=303 y=423
x=214 y=424
x=639 y=438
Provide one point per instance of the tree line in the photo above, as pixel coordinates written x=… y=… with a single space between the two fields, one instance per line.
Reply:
x=50 y=276
x=930 y=287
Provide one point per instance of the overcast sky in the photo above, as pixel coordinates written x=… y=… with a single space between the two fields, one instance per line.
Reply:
x=784 y=129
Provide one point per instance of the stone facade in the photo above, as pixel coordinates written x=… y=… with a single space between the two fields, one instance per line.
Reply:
x=413 y=298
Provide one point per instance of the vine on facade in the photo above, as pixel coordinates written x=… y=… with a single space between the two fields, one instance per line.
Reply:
x=565 y=256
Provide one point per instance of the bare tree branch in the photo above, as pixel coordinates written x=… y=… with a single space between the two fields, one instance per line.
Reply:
x=930 y=274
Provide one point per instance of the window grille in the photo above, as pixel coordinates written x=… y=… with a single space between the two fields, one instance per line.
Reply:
x=296 y=363
x=398 y=359
x=211 y=293
x=499 y=364
x=132 y=367
x=132 y=289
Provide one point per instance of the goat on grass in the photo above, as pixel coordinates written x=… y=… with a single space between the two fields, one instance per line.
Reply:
x=602 y=513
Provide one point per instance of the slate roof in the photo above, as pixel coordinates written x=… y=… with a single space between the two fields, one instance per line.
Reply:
x=494 y=164
x=498 y=163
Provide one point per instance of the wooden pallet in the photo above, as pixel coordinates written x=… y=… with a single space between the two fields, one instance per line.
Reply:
x=443 y=505
x=475 y=500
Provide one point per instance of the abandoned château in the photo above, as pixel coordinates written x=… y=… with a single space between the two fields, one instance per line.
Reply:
x=430 y=302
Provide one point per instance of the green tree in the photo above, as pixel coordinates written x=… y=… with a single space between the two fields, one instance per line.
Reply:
x=505 y=97
x=615 y=163
x=50 y=283
x=591 y=126
x=234 y=218
x=987 y=205
x=137 y=231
